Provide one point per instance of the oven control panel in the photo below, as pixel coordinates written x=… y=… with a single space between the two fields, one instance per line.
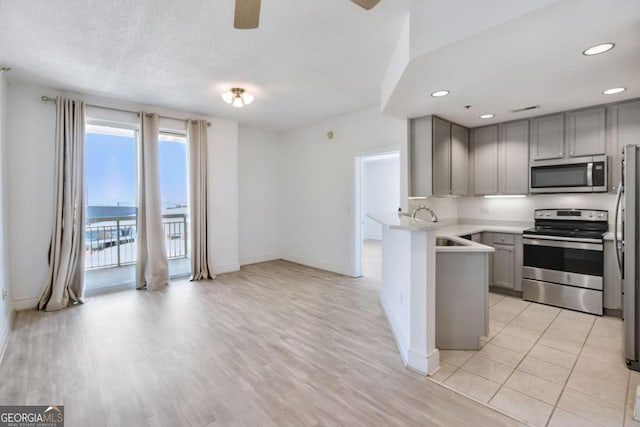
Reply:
x=572 y=214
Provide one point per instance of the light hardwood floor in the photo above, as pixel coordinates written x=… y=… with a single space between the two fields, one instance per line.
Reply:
x=275 y=344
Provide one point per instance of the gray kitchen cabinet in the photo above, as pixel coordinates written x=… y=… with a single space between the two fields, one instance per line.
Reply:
x=547 y=137
x=438 y=158
x=612 y=281
x=513 y=171
x=441 y=157
x=586 y=134
x=504 y=266
x=623 y=128
x=459 y=160
x=485 y=160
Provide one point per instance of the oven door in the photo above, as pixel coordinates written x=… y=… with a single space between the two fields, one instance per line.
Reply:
x=567 y=261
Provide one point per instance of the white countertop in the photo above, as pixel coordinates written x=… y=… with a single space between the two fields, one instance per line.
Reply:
x=397 y=222
x=464 y=229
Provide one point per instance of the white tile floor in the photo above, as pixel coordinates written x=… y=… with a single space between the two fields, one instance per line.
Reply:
x=547 y=366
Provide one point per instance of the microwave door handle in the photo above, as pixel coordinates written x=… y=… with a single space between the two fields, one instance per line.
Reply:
x=590 y=174
x=617 y=242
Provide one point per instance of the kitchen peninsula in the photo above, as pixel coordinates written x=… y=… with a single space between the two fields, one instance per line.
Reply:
x=408 y=288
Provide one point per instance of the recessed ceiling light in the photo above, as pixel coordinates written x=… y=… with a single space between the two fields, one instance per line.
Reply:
x=487 y=116
x=439 y=93
x=614 y=90
x=598 y=49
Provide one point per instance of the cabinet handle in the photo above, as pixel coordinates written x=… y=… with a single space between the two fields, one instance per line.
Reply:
x=571 y=153
x=561 y=154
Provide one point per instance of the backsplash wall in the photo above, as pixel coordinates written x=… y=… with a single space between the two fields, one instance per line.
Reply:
x=521 y=210
x=517 y=212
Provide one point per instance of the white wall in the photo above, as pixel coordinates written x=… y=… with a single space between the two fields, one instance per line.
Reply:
x=380 y=191
x=5 y=303
x=521 y=210
x=30 y=146
x=318 y=185
x=260 y=196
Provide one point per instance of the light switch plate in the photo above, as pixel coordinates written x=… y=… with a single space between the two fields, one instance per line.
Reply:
x=5 y=293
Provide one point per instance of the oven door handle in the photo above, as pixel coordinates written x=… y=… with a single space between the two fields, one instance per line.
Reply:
x=562 y=239
x=563 y=244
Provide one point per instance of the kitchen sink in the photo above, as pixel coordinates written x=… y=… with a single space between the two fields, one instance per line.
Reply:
x=444 y=241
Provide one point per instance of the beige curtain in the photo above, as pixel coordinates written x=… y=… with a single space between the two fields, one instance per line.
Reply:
x=152 y=267
x=65 y=279
x=197 y=142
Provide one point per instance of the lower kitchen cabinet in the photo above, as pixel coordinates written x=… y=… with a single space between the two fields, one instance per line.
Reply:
x=612 y=280
x=506 y=265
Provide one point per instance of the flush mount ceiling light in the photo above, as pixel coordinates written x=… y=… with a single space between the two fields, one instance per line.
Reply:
x=487 y=116
x=237 y=97
x=614 y=90
x=439 y=93
x=598 y=49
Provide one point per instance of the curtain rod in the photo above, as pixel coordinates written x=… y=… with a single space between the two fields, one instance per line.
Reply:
x=48 y=98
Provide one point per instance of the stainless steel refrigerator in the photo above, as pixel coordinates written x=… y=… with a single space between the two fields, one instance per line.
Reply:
x=627 y=227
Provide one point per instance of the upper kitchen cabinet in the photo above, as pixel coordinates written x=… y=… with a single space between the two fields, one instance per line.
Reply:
x=623 y=129
x=514 y=158
x=547 y=137
x=501 y=158
x=459 y=160
x=439 y=158
x=485 y=160
x=586 y=132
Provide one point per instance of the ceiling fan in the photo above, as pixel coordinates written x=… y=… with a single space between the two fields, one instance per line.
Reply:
x=247 y=14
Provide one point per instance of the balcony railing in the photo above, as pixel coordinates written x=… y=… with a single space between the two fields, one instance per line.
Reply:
x=111 y=242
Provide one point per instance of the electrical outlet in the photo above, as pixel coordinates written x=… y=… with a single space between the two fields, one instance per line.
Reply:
x=5 y=293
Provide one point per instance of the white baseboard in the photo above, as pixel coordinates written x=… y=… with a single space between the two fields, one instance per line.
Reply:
x=228 y=268
x=318 y=264
x=25 y=303
x=401 y=341
x=5 y=331
x=256 y=260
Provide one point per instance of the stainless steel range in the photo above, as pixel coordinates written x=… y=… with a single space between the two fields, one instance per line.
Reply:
x=564 y=258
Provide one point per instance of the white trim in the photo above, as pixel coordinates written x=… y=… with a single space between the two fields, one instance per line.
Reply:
x=25 y=303
x=228 y=268
x=426 y=364
x=258 y=259
x=317 y=264
x=401 y=340
x=6 y=332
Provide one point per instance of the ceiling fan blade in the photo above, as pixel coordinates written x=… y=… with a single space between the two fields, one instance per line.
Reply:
x=367 y=4
x=247 y=14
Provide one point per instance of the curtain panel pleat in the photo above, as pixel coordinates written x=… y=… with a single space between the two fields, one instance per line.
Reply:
x=65 y=278
x=152 y=267
x=198 y=201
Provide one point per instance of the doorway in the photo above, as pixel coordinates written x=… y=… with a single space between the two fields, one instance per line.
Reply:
x=377 y=191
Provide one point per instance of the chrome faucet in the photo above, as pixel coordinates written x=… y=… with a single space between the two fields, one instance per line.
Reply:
x=434 y=217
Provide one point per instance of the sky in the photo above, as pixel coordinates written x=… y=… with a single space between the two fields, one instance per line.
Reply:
x=111 y=171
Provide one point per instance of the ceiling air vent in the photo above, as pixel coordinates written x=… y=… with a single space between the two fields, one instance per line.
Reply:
x=520 y=110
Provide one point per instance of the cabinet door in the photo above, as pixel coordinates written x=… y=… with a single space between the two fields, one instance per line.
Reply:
x=586 y=132
x=503 y=266
x=420 y=157
x=485 y=160
x=459 y=160
x=441 y=157
x=624 y=129
x=514 y=158
x=547 y=137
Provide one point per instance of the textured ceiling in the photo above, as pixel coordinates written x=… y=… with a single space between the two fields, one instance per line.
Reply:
x=309 y=60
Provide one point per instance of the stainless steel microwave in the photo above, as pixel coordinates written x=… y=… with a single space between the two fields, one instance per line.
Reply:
x=575 y=175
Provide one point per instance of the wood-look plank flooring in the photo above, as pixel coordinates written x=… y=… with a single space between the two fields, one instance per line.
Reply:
x=276 y=344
